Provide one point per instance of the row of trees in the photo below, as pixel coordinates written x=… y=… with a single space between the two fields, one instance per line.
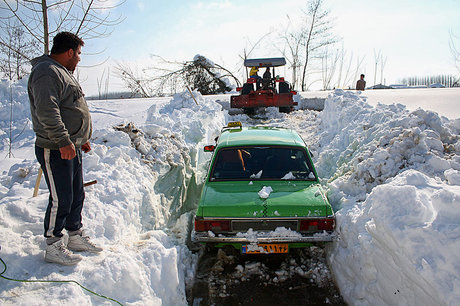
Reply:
x=446 y=80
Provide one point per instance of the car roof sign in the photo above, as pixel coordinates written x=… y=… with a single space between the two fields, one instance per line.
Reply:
x=234 y=124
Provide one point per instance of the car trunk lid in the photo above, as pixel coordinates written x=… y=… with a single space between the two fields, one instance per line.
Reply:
x=241 y=200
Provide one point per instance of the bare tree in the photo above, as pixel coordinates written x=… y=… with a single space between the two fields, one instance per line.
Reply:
x=329 y=62
x=41 y=19
x=341 y=58
x=293 y=43
x=168 y=77
x=13 y=64
x=376 y=61
x=379 y=59
x=248 y=51
x=453 y=41
x=348 y=72
x=383 y=62
x=359 y=62
x=316 y=33
x=135 y=81
x=103 y=84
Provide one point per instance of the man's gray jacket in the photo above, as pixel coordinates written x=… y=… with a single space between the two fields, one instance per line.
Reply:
x=60 y=115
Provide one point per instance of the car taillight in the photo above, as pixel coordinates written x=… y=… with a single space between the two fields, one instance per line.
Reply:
x=314 y=225
x=212 y=225
x=209 y=148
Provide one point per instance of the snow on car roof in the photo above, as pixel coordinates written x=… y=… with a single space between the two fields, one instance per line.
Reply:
x=255 y=136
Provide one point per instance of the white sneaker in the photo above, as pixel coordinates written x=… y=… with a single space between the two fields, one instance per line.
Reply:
x=82 y=243
x=58 y=253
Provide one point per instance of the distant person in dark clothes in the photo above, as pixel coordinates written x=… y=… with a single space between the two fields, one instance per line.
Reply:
x=361 y=84
x=266 y=79
x=62 y=124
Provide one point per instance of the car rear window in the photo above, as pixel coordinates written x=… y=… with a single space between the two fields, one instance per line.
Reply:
x=262 y=163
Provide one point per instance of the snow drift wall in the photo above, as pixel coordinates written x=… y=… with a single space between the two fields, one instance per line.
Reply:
x=393 y=178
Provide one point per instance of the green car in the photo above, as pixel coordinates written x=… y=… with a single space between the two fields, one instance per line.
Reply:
x=262 y=193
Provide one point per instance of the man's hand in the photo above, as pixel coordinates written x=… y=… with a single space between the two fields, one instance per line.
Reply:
x=86 y=147
x=68 y=152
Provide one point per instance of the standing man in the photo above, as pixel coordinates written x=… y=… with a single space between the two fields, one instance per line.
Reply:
x=361 y=84
x=62 y=124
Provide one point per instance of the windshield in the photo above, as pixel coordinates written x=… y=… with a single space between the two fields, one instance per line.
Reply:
x=264 y=163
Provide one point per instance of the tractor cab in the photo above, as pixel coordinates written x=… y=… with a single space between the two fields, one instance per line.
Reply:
x=263 y=87
x=266 y=77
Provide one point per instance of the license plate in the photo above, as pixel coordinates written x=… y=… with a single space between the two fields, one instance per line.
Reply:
x=268 y=248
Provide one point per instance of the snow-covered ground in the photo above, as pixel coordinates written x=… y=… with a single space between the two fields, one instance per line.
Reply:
x=444 y=101
x=393 y=177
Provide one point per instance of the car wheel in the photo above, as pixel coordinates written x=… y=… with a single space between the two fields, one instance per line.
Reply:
x=230 y=251
x=210 y=247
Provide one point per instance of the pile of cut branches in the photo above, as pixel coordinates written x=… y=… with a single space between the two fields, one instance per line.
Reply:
x=168 y=77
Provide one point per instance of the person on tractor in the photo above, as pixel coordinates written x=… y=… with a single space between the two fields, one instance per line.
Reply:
x=253 y=75
x=266 y=79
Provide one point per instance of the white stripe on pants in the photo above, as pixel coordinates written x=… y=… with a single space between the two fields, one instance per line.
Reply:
x=54 y=195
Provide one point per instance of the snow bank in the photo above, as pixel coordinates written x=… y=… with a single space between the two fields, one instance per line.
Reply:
x=13 y=94
x=393 y=178
x=401 y=244
x=139 y=211
x=14 y=109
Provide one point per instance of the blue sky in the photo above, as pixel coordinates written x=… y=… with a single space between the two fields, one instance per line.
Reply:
x=412 y=35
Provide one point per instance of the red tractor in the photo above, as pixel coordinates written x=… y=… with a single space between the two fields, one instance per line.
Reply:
x=263 y=91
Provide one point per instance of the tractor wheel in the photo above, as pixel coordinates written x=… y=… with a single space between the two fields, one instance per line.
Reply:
x=249 y=111
x=247 y=88
x=286 y=109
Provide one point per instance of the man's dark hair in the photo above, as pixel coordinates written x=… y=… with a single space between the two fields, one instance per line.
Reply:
x=64 y=41
x=362 y=75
